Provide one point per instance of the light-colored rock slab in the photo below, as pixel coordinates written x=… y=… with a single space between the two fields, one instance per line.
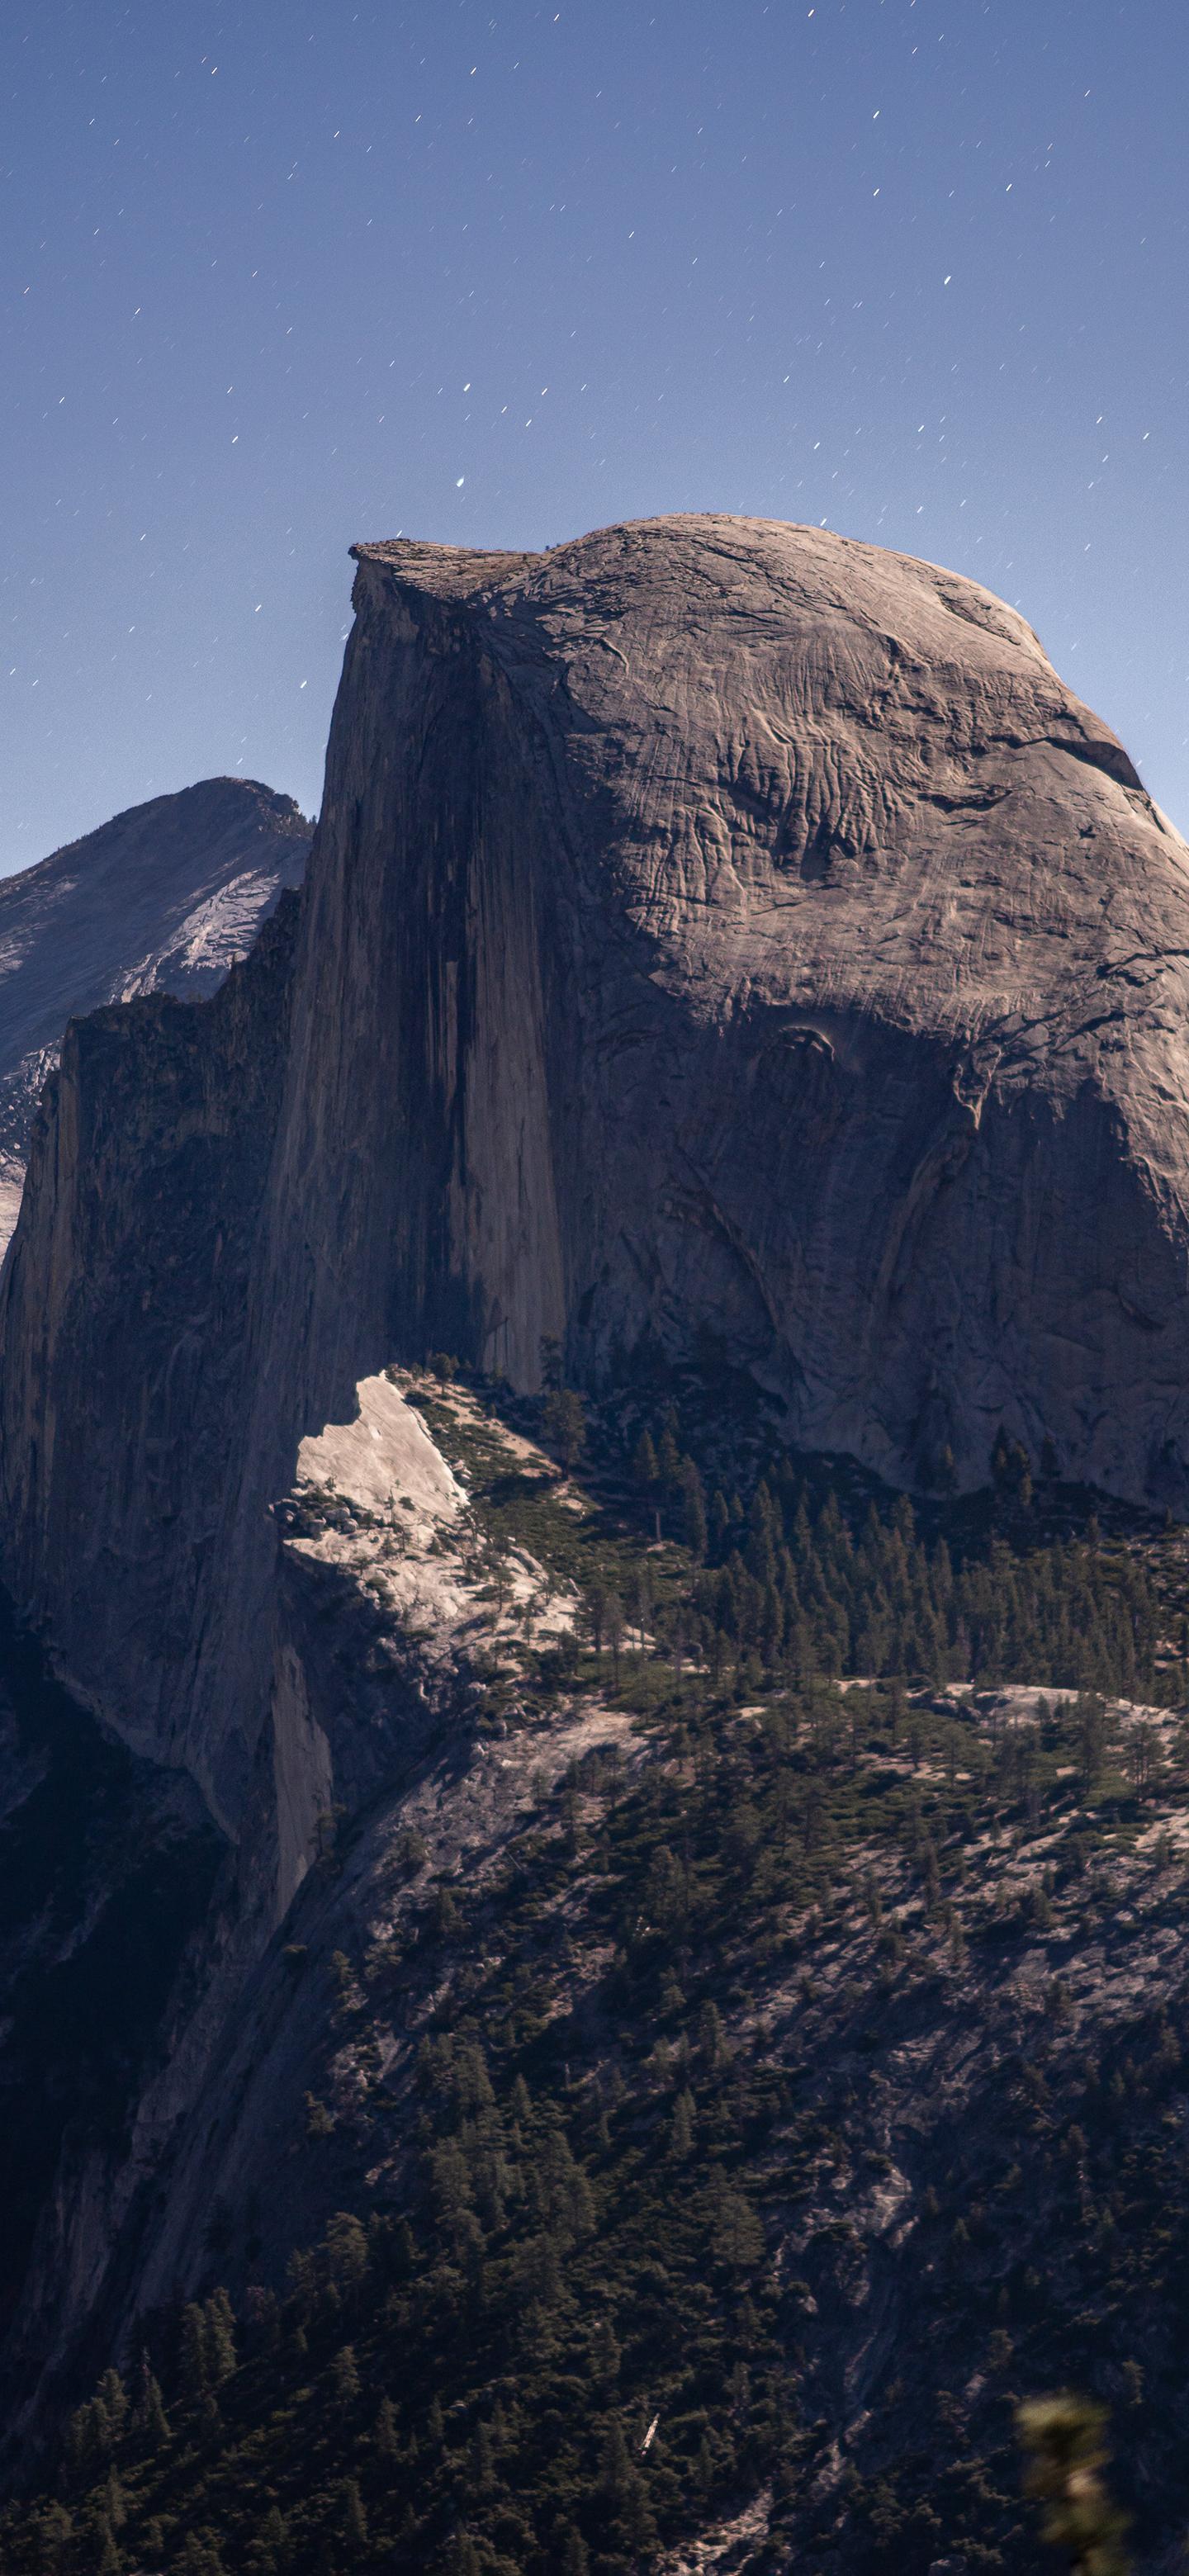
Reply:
x=385 y=1456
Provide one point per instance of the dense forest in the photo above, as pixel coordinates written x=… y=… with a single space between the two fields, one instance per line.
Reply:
x=795 y=1996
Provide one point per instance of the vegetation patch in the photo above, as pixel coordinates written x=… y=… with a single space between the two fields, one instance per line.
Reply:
x=798 y=2086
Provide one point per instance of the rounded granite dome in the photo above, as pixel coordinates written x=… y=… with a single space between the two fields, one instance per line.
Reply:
x=858 y=960
x=719 y=939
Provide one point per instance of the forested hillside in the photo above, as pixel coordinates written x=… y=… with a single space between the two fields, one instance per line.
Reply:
x=728 y=2126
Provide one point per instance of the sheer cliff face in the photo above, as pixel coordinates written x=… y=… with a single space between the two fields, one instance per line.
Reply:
x=726 y=927
x=713 y=928
x=163 y=898
x=124 y=1297
x=716 y=934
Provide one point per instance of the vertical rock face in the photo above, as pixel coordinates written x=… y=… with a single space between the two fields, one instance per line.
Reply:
x=717 y=936
x=163 y=898
x=727 y=928
x=716 y=932
x=129 y=1271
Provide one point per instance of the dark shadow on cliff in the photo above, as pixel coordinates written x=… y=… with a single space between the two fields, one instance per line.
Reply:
x=107 y=1866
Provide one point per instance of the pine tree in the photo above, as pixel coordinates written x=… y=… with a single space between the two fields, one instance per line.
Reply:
x=112 y=2396
x=616 y=2468
x=482 y=2461
x=80 y=2438
x=462 y=2557
x=565 y=1425
x=347 y=2258
x=1011 y=1469
x=615 y=1628
x=737 y=2235
x=152 y=2422
x=271 y=2544
x=354 y=2518
x=639 y=1602
x=646 y=1474
x=681 y=2135
x=195 y=2369
x=1064 y=2443
x=595 y=1607
x=668 y=1466
x=605 y=2355
x=710 y=2035
x=55 y=2533
x=694 y=1511
x=632 y=2523
x=111 y=2556
x=219 y=2339
x=210 y=2418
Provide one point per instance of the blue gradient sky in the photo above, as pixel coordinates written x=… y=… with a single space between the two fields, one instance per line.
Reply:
x=278 y=276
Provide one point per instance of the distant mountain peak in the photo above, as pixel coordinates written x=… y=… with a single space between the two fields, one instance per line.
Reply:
x=163 y=898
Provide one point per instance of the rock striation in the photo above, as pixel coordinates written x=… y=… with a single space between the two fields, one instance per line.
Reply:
x=718 y=935
x=161 y=899
x=728 y=928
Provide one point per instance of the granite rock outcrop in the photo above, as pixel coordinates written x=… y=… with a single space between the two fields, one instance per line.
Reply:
x=728 y=929
x=161 y=899
x=717 y=935
x=718 y=938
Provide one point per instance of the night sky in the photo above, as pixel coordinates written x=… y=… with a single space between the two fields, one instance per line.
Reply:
x=276 y=277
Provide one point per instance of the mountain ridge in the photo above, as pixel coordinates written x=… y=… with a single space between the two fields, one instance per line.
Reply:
x=731 y=969
x=162 y=897
x=708 y=934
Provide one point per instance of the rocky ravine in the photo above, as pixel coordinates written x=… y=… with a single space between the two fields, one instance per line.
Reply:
x=161 y=899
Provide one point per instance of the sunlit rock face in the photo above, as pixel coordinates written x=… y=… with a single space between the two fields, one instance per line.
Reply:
x=161 y=899
x=726 y=928
x=718 y=935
